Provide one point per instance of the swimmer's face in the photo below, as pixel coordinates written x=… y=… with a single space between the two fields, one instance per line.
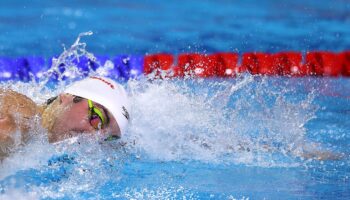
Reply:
x=70 y=117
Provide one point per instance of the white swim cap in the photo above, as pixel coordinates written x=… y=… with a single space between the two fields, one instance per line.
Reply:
x=106 y=92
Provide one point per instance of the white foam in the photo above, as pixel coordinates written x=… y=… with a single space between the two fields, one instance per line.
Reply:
x=19 y=195
x=173 y=122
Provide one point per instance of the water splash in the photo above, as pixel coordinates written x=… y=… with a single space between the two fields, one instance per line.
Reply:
x=249 y=120
x=241 y=120
x=211 y=121
x=68 y=60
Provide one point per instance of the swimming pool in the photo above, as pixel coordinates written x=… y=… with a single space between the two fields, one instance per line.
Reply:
x=196 y=147
x=190 y=138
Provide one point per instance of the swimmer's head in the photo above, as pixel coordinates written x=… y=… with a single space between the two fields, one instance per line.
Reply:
x=94 y=103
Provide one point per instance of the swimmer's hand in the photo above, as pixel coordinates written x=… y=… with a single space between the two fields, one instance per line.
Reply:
x=307 y=151
x=315 y=151
x=322 y=155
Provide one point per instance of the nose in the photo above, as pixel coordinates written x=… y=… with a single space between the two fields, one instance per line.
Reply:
x=65 y=98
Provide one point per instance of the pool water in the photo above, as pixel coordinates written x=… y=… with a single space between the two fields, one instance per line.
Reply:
x=200 y=139
x=139 y=27
x=251 y=137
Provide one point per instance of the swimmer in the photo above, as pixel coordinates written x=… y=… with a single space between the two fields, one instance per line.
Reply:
x=90 y=105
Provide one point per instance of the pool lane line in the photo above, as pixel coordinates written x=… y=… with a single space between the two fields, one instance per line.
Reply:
x=221 y=64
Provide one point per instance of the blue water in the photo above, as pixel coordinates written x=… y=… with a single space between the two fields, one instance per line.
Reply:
x=190 y=139
x=138 y=27
x=182 y=144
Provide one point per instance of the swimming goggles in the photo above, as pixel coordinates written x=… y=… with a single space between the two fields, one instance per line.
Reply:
x=96 y=119
x=94 y=114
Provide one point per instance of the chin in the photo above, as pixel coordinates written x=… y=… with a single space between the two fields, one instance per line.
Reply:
x=55 y=134
x=52 y=138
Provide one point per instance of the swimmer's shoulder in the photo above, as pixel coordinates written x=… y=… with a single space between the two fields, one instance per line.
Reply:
x=11 y=101
x=17 y=112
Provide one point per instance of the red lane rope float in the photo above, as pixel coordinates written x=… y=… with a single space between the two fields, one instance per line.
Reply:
x=196 y=64
x=344 y=58
x=157 y=61
x=227 y=64
x=289 y=64
x=316 y=63
x=259 y=63
x=324 y=63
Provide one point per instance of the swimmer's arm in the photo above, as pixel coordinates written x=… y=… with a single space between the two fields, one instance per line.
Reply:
x=321 y=154
x=310 y=150
x=7 y=127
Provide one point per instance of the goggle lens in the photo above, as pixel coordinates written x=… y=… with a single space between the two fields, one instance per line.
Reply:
x=95 y=122
x=96 y=118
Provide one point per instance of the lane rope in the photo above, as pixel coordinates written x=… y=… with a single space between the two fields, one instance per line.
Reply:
x=222 y=64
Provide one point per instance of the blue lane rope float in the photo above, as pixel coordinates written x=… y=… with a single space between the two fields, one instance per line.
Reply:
x=8 y=70
x=129 y=66
x=314 y=63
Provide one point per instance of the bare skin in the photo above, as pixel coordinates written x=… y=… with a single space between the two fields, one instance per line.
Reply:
x=62 y=118
x=16 y=114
